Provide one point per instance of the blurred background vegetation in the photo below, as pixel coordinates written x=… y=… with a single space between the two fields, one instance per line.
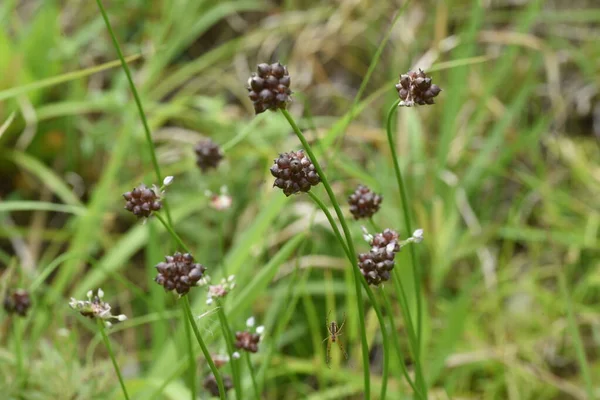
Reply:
x=503 y=176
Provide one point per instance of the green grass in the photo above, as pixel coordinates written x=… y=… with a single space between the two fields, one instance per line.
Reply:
x=501 y=174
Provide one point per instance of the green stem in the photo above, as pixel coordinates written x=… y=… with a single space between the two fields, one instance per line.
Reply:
x=353 y=259
x=407 y=224
x=192 y=363
x=396 y=342
x=230 y=349
x=384 y=335
x=18 y=338
x=112 y=356
x=173 y=234
x=209 y=360
x=252 y=375
x=138 y=101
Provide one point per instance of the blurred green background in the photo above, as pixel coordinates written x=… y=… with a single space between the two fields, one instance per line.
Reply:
x=503 y=175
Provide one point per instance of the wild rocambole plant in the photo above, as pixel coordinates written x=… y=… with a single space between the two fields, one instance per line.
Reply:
x=391 y=277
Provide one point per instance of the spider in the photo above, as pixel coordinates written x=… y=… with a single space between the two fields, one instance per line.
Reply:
x=335 y=332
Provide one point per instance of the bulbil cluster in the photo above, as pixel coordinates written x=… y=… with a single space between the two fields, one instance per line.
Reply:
x=210 y=384
x=415 y=88
x=208 y=154
x=294 y=173
x=247 y=341
x=379 y=261
x=179 y=272
x=269 y=88
x=142 y=201
x=17 y=302
x=364 y=203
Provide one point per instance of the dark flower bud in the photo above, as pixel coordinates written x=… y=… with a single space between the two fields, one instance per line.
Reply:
x=142 y=201
x=179 y=273
x=364 y=203
x=415 y=88
x=208 y=154
x=17 y=302
x=269 y=89
x=294 y=172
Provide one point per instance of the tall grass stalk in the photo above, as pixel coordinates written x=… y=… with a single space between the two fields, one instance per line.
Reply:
x=352 y=258
x=350 y=244
x=415 y=262
x=207 y=356
x=112 y=356
x=235 y=371
x=252 y=375
x=138 y=102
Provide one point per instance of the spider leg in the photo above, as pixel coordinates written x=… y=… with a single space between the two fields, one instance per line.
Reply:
x=342 y=325
x=342 y=349
x=328 y=359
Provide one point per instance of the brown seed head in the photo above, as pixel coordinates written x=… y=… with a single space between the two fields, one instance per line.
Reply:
x=364 y=203
x=415 y=88
x=179 y=272
x=247 y=341
x=142 y=201
x=376 y=265
x=17 y=302
x=210 y=384
x=208 y=154
x=269 y=88
x=294 y=173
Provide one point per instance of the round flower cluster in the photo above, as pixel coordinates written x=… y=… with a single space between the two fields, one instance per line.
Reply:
x=17 y=302
x=208 y=154
x=415 y=88
x=95 y=308
x=269 y=89
x=294 y=173
x=179 y=272
x=142 y=201
x=364 y=203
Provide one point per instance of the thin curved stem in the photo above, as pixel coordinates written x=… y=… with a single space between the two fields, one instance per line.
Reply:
x=192 y=363
x=384 y=335
x=396 y=342
x=209 y=360
x=172 y=232
x=137 y=99
x=407 y=224
x=252 y=375
x=112 y=356
x=353 y=260
x=230 y=349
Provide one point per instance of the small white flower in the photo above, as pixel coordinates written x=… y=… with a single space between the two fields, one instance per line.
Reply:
x=100 y=293
x=250 y=322
x=209 y=301
x=89 y=295
x=107 y=324
x=230 y=278
x=260 y=329
x=168 y=180
x=366 y=235
x=235 y=355
x=418 y=235
x=122 y=317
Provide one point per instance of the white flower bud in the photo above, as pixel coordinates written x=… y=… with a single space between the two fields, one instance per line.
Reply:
x=418 y=235
x=260 y=329
x=168 y=180
x=100 y=293
x=235 y=355
x=89 y=294
x=250 y=322
x=122 y=317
